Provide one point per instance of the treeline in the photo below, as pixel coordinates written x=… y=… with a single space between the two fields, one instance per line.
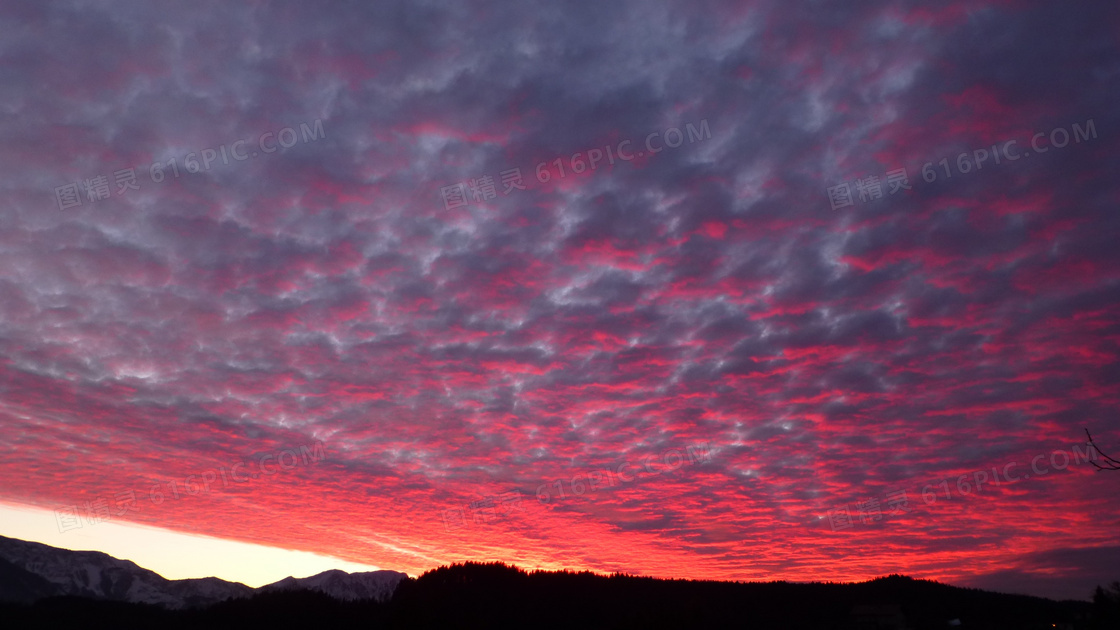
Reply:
x=495 y=595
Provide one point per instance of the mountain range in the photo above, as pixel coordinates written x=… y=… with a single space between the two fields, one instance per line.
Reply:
x=31 y=571
x=46 y=587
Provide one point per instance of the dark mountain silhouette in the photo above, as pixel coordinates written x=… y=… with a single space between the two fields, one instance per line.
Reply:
x=377 y=585
x=495 y=595
x=31 y=571
x=20 y=585
x=499 y=593
x=97 y=575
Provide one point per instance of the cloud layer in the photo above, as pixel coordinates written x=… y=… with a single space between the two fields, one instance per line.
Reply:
x=327 y=287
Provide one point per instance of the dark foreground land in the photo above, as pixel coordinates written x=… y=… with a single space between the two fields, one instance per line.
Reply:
x=499 y=596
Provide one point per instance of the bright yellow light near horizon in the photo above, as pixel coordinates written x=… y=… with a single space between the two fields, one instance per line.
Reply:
x=174 y=555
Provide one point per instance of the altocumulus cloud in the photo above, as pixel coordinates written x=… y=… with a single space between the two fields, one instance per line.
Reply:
x=707 y=293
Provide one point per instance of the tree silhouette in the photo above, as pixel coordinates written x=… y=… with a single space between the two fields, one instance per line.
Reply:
x=1109 y=463
x=1106 y=606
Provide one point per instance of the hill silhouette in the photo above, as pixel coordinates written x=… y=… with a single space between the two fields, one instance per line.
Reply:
x=496 y=595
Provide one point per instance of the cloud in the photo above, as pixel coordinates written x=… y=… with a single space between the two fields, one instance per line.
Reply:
x=704 y=292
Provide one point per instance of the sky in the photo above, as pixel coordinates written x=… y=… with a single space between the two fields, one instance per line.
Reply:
x=176 y=555
x=717 y=290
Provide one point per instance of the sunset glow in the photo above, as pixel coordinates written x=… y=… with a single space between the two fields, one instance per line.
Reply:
x=780 y=291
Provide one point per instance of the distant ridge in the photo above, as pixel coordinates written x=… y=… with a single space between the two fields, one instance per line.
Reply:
x=31 y=571
x=378 y=585
x=41 y=586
